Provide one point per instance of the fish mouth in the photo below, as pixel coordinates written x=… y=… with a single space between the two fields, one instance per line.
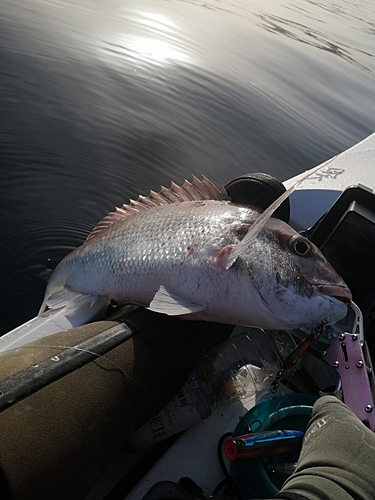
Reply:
x=339 y=292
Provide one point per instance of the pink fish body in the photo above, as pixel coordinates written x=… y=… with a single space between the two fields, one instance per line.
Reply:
x=179 y=252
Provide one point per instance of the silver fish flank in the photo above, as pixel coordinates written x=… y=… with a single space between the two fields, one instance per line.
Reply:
x=186 y=251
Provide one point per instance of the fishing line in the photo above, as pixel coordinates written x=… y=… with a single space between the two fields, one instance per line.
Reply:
x=17 y=381
x=291 y=372
x=296 y=355
x=101 y=356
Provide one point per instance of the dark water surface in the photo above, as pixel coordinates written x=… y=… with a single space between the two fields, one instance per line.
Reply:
x=103 y=100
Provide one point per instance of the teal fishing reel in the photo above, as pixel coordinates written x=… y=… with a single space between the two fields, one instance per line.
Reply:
x=265 y=444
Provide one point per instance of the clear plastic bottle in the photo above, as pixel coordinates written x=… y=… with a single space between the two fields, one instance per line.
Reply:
x=239 y=368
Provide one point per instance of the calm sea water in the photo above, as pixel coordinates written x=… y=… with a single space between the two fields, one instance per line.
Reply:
x=101 y=100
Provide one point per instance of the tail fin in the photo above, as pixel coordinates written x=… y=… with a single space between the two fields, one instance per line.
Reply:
x=43 y=307
x=67 y=299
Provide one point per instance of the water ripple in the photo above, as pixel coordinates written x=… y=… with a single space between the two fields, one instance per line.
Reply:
x=315 y=38
x=102 y=101
x=31 y=250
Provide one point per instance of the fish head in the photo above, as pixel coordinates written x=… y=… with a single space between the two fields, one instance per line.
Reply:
x=297 y=283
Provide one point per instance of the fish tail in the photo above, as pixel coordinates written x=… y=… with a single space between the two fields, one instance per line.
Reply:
x=43 y=307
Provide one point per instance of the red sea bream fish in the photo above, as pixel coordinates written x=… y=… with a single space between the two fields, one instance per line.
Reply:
x=188 y=251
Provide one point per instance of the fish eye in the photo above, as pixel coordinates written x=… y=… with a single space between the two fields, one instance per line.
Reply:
x=301 y=246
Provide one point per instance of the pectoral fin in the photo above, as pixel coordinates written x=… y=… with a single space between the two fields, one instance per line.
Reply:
x=167 y=303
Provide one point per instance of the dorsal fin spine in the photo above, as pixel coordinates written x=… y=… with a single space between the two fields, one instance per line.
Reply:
x=202 y=188
x=157 y=198
x=169 y=195
x=182 y=193
x=192 y=190
x=214 y=190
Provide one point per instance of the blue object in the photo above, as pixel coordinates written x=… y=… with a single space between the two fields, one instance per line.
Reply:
x=257 y=478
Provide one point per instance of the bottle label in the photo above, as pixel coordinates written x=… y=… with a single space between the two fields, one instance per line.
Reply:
x=202 y=399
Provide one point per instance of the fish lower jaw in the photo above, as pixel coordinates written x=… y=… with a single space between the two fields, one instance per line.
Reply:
x=337 y=292
x=338 y=310
x=319 y=310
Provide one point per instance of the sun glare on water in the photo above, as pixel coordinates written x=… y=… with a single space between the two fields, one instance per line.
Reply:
x=150 y=38
x=156 y=50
